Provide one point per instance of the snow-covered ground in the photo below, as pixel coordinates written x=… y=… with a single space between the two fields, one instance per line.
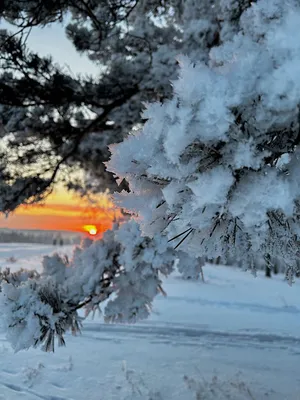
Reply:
x=242 y=329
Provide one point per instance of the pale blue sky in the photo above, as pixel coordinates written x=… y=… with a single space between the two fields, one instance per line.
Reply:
x=52 y=40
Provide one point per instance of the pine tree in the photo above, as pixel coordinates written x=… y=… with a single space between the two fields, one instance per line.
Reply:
x=213 y=173
x=217 y=166
x=52 y=120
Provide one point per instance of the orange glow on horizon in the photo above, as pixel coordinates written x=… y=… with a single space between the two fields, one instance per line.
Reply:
x=65 y=211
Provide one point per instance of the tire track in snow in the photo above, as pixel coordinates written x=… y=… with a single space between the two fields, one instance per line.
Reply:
x=188 y=336
x=252 y=307
x=19 y=390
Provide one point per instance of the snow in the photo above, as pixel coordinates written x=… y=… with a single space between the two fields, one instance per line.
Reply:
x=232 y=324
x=213 y=187
x=209 y=153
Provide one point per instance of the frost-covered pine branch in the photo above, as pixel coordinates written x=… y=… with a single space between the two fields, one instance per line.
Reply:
x=217 y=167
x=123 y=268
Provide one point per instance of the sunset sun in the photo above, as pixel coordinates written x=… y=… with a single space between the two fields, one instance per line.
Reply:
x=91 y=229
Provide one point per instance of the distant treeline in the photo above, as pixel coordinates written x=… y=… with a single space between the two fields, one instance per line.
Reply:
x=43 y=237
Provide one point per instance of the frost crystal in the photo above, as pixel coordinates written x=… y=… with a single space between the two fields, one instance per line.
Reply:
x=217 y=167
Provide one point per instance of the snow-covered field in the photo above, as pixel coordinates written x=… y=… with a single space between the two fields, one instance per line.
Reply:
x=244 y=330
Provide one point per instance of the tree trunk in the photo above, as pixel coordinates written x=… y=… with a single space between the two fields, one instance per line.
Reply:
x=268 y=272
x=202 y=275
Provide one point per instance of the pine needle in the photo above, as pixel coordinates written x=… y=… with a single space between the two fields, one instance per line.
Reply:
x=182 y=240
x=180 y=234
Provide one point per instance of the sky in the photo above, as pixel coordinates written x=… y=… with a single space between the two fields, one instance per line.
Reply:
x=62 y=210
x=51 y=40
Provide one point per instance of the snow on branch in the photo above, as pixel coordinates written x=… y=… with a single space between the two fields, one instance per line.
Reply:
x=123 y=268
x=217 y=166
